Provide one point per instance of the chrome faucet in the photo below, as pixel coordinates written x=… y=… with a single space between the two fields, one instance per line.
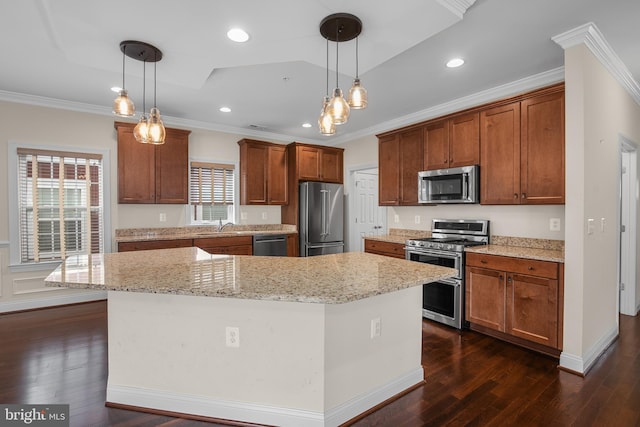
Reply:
x=222 y=226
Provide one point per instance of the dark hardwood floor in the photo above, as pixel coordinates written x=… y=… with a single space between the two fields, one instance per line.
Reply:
x=59 y=355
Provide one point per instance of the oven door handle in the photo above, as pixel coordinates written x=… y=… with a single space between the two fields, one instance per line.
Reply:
x=452 y=282
x=443 y=254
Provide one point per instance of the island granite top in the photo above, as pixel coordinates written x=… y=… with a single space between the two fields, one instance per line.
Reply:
x=328 y=279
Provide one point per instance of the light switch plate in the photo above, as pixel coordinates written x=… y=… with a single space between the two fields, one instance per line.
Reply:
x=554 y=224
x=590 y=225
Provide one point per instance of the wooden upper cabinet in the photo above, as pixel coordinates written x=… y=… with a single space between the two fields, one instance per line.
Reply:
x=388 y=170
x=452 y=143
x=317 y=163
x=263 y=173
x=152 y=173
x=500 y=155
x=542 y=156
x=411 y=162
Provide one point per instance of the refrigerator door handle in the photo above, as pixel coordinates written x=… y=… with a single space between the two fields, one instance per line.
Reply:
x=323 y=212
x=327 y=215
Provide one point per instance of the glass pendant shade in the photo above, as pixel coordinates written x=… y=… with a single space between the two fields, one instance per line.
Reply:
x=357 y=96
x=141 y=131
x=156 y=131
x=325 y=123
x=123 y=105
x=338 y=108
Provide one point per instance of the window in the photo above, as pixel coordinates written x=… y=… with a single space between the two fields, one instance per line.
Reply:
x=60 y=204
x=211 y=192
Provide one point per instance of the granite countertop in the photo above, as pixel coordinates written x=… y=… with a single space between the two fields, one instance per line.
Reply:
x=200 y=232
x=398 y=235
x=329 y=279
x=540 y=254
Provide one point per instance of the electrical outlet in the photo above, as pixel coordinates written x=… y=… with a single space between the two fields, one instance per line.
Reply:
x=590 y=225
x=163 y=217
x=603 y=223
x=554 y=224
x=233 y=336
x=264 y=215
x=396 y=218
x=375 y=327
x=417 y=219
x=243 y=215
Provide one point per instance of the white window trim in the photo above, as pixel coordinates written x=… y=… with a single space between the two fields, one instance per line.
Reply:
x=236 y=189
x=15 y=266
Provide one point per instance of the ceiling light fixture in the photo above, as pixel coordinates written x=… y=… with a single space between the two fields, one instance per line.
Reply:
x=225 y=109
x=148 y=130
x=325 y=121
x=238 y=35
x=342 y=27
x=455 y=62
x=123 y=105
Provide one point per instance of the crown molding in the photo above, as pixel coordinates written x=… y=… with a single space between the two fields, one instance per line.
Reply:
x=589 y=35
x=457 y=7
x=526 y=84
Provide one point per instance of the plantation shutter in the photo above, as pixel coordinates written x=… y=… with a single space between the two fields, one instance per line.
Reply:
x=211 y=186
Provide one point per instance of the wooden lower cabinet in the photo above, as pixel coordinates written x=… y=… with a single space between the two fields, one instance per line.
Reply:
x=519 y=299
x=293 y=245
x=154 y=244
x=240 y=245
x=395 y=250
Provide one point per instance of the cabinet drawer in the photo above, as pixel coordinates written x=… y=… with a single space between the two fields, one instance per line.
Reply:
x=530 y=267
x=379 y=247
x=212 y=242
x=154 y=244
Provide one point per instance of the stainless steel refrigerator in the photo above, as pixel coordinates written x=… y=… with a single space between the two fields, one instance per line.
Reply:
x=321 y=218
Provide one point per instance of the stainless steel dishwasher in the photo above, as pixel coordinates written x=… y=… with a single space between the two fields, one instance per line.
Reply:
x=270 y=244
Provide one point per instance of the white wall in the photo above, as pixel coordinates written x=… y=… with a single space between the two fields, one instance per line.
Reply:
x=48 y=126
x=598 y=110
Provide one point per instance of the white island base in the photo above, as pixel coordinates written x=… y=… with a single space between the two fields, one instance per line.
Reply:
x=297 y=364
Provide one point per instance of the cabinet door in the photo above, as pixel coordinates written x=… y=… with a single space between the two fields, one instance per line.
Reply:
x=411 y=159
x=172 y=168
x=309 y=165
x=388 y=171
x=136 y=168
x=464 y=140
x=394 y=250
x=500 y=155
x=532 y=308
x=277 y=188
x=436 y=146
x=332 y=168
x=542 y=150
x=154 y=244
x=253 y=173
x=485 y=297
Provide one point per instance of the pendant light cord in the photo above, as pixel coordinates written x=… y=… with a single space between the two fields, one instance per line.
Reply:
x=155 y=67
x=357 y=57
x=124 y=53
x=144 y=87
x=337 y=43
x=327 y=68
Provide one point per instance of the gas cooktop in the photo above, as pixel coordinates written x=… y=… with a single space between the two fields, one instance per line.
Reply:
x=453 y=235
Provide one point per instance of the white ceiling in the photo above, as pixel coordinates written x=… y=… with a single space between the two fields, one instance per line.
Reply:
x=66 y=53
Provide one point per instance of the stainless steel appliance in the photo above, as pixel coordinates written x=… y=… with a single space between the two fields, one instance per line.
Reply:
x=321 y=218
x=443 y=301
x=270 y=245
x=454 y=185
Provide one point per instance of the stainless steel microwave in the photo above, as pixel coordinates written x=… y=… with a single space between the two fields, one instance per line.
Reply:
x=453 y=185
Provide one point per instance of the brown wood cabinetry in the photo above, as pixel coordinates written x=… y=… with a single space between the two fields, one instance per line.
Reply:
x=153 y=173
x=379 y=247
x=263 y=173
x=234 y=245
x=520 y=299
x=522 y=151
x=400 y=160
x=293 y=245
x=388 y=171
x=316 y=163
x=154 y=244
x=452 y=143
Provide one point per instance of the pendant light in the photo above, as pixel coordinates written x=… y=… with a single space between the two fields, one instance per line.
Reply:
x=357 y=93
x=123 y=105
x=339 y=27
x=149 y=130
x=325 y=122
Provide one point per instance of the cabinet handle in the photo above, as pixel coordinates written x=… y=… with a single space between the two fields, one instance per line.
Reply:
x=524 y=195
x=451 y=160
x=509 y=279
x=501 y=277
x=515 y=195
x=446 y=161
x=531 y=269
x=483 y=261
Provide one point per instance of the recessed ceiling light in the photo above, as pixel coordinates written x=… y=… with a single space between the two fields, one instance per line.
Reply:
x=238 y=35
x=455 y=62
x=116 y=89
x=306 y=125
x=225 y=109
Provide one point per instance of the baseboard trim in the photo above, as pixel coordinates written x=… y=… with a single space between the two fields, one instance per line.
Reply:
x=581 y=365
x=51 y=301
x=190 y=405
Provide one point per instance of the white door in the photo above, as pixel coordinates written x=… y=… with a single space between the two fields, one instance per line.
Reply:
x=369 y=219
x=627 y=232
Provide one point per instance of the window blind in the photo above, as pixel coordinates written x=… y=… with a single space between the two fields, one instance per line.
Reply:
x=60 y=204
x=211 y=190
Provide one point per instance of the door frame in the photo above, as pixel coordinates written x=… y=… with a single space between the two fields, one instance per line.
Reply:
x=626 y=298
x=351 y=204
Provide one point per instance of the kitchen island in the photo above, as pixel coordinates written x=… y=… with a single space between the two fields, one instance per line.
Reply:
x=272 y=340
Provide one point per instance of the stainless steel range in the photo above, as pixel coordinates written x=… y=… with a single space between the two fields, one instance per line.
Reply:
x=443 y=301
